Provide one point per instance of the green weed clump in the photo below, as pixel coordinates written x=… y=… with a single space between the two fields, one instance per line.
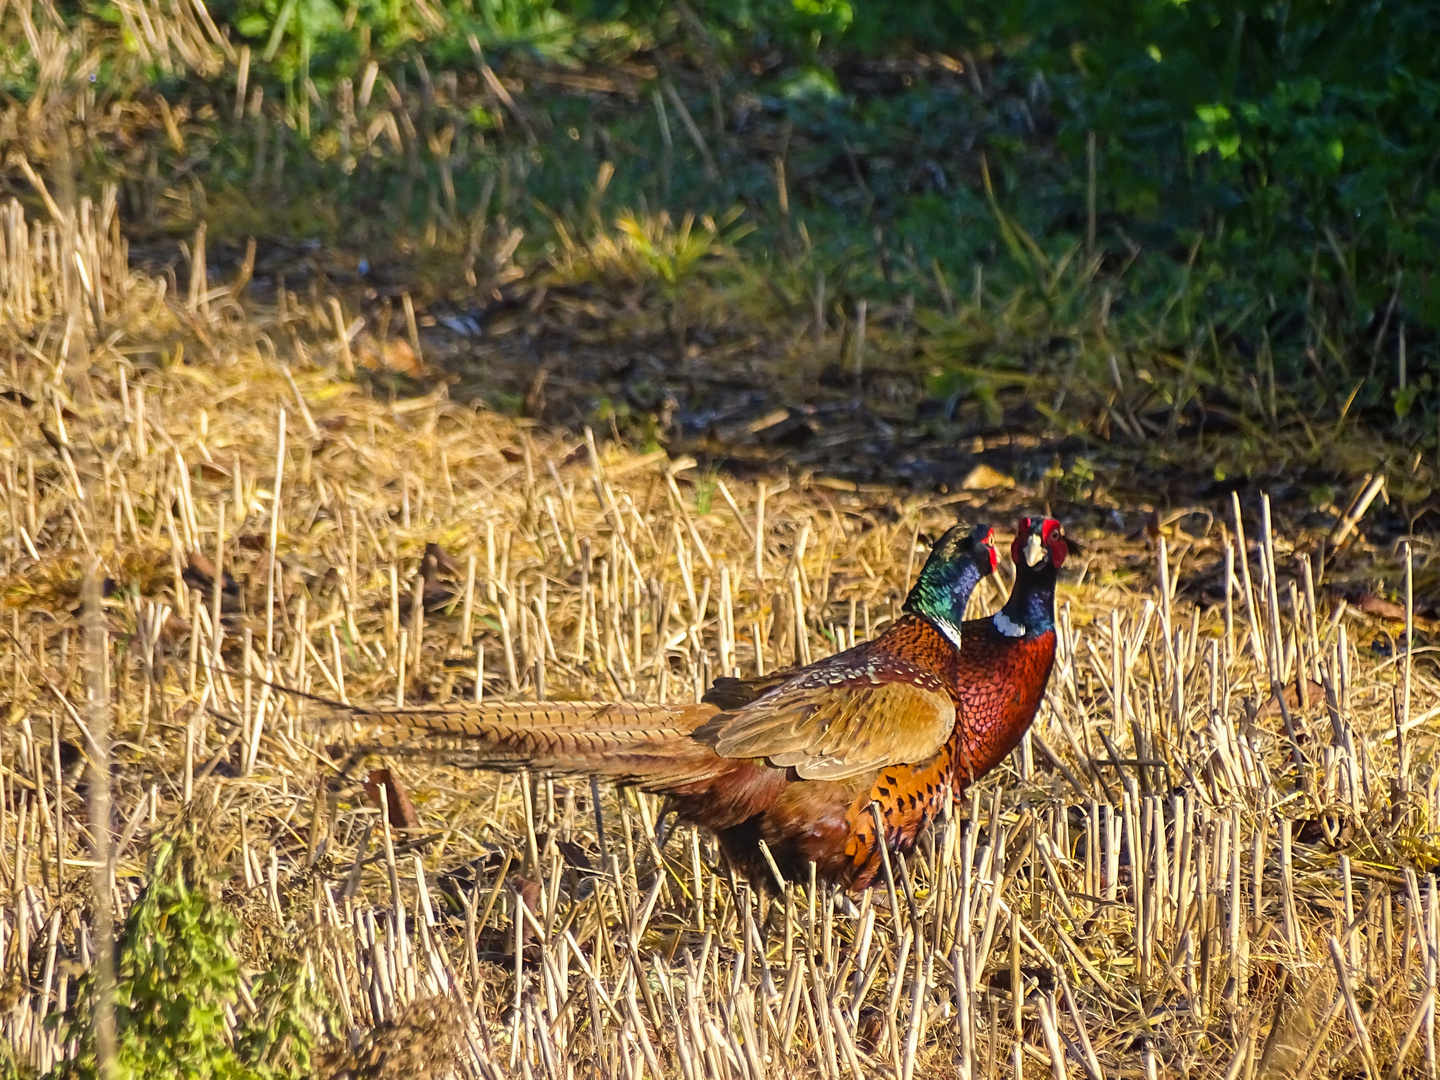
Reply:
x=178 y=1010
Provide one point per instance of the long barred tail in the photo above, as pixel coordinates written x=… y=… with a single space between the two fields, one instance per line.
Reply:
x=647 y=745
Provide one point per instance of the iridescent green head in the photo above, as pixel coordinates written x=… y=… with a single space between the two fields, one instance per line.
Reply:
x=956 y=564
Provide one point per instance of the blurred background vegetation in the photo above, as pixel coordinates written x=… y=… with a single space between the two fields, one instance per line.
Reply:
x=1229 y=204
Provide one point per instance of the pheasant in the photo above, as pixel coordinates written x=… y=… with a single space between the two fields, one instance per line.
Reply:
x=797 y=757
x=1005 y=660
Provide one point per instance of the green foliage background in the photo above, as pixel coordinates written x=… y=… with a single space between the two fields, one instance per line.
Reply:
x=1264 y=172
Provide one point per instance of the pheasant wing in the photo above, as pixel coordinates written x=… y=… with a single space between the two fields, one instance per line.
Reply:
x=835 y=722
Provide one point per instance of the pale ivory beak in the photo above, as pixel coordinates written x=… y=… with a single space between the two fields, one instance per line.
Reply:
x=1034 y=550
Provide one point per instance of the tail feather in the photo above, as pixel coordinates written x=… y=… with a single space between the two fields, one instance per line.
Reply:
x=648 y=745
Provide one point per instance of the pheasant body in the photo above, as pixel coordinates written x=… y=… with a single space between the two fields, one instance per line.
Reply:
x=1004 y=674
x=830 y=822
x=797 y=758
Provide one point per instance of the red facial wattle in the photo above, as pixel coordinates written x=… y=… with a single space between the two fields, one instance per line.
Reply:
x=1050 y=534
x=1053 y=537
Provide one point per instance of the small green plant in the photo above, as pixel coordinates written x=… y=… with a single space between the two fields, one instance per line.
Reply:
x=705 y=492
x=651 y=247
x=9 y=1068
x=1077 y=479
x=176 y=976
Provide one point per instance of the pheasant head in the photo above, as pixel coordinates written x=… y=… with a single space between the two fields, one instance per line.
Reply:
x=1039 y=550
x=955 y=566
x=1039 y=544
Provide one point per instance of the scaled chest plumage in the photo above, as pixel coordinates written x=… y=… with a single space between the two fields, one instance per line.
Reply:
x=909 y=796
x=997 y=682
x=1001 y=681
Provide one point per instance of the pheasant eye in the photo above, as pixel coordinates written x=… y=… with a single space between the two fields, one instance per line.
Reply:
x=1058 y=546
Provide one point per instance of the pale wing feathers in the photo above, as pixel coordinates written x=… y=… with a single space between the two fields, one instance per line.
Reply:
x=836 y=731
x=826 y=728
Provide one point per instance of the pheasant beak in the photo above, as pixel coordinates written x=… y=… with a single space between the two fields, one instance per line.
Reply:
x=1034 y=550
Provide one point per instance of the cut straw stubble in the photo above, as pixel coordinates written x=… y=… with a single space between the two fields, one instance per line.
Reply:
x=1158 y=878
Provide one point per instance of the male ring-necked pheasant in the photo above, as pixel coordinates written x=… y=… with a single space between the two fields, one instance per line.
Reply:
x=1005 y=660
x=796 y=758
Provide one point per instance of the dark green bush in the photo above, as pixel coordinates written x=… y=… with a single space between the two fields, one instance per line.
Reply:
x=1273 y=129
x=1296 y=143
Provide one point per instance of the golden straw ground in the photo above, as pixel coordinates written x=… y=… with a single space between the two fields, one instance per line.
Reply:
x=1170 y=891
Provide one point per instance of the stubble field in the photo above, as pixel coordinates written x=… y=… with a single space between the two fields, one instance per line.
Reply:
x=1209 y=858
